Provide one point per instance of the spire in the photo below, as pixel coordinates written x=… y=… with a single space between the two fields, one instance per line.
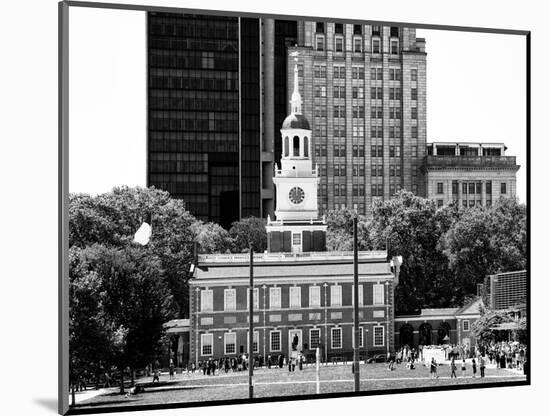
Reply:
x=296 y=101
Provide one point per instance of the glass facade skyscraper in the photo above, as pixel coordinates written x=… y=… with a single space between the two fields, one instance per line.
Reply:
x=203 y=113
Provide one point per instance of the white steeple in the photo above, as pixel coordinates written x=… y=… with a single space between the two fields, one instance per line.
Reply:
x=296 y=101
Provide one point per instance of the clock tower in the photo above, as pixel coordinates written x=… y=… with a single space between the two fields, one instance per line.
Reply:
x=297 y=227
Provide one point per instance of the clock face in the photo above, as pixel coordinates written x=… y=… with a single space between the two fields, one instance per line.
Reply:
x=296 y=195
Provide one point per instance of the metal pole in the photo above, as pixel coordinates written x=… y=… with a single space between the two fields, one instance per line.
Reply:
x=317 y=371
x=251 y=328
x=265 y=358
x=355 y=308
x=326 y=328
x=197 y=290
x=387 y=318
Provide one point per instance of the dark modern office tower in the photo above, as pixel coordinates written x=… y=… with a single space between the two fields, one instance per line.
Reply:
x=204 y=113
x=364 y=92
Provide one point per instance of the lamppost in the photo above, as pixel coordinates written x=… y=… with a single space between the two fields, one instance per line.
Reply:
x=197 y=290
x=388 y=317
x=264 y=287
x=326 y=328
x=366 y=345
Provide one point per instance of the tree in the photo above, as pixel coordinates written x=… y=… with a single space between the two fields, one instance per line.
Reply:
x=484 y=328
x=413 y=227
x=130 y=302
x=212 y=238
x=340 y=230
x=112 y=218
x=249 y=231
x=485 y=241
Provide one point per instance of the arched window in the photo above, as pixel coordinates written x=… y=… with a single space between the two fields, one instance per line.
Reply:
x=296 y=146
x=406 y=335
x=425 y=334
x=286 y=147
x=306 y=147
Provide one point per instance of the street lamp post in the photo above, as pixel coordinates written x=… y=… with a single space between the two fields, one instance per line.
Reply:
x=388 y=317
x=197 y=290
x=264 y=287
x=355 y=307
x=251 y=328
x=326 y=328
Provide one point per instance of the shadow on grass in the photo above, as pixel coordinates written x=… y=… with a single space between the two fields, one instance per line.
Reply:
x=95 y=404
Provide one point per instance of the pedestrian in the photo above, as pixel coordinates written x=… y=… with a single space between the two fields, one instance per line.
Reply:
x=156 y=376
x=482 y=366
x=433 y=368
x=463 y=367
x=474 y=368
x=171 y=369
x=453 y=367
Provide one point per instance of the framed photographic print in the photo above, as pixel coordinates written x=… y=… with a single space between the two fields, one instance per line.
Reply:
x=260 y=208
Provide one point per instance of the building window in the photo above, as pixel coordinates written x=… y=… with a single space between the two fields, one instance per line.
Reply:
x=360 y=337
x=255 y=341
x=357 y=45
x=275 y=341
x=360 y=294
x=414 y=94
x=230 y=343
x=314 y=296
x=275 y=298
x=229 y=300
x=378 y=294
x=320 y=27
x=320 y=42
x=314 y=338
x=439 y=203
x=395 y=74
x=414 y=74
x=336 y=338
x=454 y=188
x=414 y=113
x=296 y=239
x=358 y=72
x=256 y=299
x=375 y=45
x=336 y=295
x=339 y=28
x=376 y=74
x=466 y=325
x=206 y=300
x=394 y=32
x=503 y=187
x=378 y=336
x=295 y=297
x=207 y=342
x=440 y=187
x=394 y=47
x=414 y=132
x=376 y=93
x=488 y=188
x=357 y=30
x=339 y=44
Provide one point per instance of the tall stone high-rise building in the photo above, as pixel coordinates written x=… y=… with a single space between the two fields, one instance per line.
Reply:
x=364 y=91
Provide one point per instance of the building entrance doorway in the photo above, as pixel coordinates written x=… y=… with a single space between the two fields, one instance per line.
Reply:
x=294 y=342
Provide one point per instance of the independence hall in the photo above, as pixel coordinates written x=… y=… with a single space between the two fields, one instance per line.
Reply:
x=301 y=291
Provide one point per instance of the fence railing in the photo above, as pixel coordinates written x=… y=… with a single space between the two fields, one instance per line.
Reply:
x=275 y=257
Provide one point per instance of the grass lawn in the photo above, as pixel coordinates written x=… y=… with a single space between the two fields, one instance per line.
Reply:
x=281 y=383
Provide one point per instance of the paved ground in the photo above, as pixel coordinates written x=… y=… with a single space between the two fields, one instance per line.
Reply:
x=280 y=383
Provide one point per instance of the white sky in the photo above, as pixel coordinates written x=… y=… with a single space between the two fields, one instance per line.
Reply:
x=475 y=89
